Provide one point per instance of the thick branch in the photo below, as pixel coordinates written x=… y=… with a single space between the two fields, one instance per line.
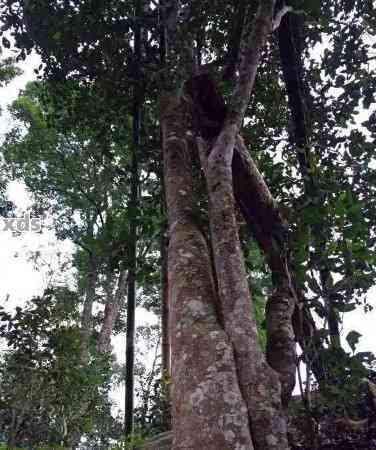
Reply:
x=271 y=231
x=258 y=382
x=235 y=39
x=269 y=228
x=257 y=205
x=250 y=54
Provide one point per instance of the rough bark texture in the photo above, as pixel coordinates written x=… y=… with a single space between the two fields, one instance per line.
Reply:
x=261 y=213
x=207 y=361
x=259 y=383
x=208 y=409
x=210 y=116
x=111 y=311
x=271 y=232
x=269 y=228
x=281 y=304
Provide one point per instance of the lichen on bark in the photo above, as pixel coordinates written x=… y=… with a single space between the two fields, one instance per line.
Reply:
x=217 y=362
x=208 y=408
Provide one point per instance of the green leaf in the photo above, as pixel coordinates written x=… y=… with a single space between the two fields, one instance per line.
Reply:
x=57 y=36
x=345 y=307
x=353 y=339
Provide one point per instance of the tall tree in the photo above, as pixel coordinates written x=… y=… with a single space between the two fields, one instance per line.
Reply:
x=201 y=60
x=43 y=383
x=133 y=206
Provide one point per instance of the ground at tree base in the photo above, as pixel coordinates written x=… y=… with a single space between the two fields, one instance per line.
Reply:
x=331 y=436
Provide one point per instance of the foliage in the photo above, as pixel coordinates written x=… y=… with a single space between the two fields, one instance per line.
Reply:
x=44 y=149
x=43 y=380
x=130 y=442
x=8 y=69
x=260 y=284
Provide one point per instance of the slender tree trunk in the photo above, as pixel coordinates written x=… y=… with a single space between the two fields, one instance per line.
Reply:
x=132 y=248
x=87 y=326
x=12 y=434
x=265 y=222
x=148 y=387
x=131 y=302
x=271 y=231
x=87 y=313
x=165 y=307
x=111 y=311
x=326 y=279
x=166 y=356
x=208 y=409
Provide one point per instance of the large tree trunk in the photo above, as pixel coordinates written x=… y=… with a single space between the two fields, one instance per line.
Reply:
x=208 y=408
x=270 y=230
x=195 y=312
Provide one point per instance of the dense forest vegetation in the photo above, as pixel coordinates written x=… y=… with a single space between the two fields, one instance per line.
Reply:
x=213 y=163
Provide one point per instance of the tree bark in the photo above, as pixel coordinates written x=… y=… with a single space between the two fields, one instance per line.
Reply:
x=271 y=232
x=264 y=220
x=132 y=247
x=259 y=383
x=87 y=313
x=111 y=311
x=207 y=406
x=254 y=198
x=131 y=302
x=165 y=313
x=192 y=275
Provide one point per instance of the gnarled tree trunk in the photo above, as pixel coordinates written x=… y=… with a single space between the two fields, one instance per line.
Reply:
x=211 y=323
x=208 y=408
